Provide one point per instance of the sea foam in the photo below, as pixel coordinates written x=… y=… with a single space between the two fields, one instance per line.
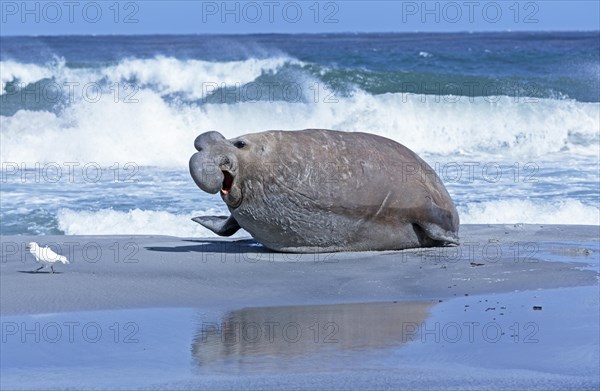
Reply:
x=24 y=74
x=150 y=222
x=194 y=78
x=165 y=75
x=530 y=212
x=157 y=133
x=134 y=222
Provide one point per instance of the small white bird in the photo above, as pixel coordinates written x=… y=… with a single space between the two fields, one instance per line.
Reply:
x=45 y=256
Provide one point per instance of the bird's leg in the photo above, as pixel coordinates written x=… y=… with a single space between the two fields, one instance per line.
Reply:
x=38 y=269
x=52 y=268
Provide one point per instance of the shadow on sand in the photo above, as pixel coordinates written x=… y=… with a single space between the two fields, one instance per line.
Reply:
x=216 y=246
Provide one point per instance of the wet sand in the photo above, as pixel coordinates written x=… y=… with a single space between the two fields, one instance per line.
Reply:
x=512 y=307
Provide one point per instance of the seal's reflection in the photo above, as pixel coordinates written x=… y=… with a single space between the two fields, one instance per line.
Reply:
x=281 y=333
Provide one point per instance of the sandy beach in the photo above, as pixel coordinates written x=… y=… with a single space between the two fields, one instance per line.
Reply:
x=514 y=306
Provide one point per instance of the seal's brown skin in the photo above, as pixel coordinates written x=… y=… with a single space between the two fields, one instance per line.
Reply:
x=320 y=190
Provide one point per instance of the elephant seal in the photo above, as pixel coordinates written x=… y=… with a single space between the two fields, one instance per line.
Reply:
x=318 y=190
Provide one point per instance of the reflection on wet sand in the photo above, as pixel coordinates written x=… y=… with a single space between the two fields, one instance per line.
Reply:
x=299 y=331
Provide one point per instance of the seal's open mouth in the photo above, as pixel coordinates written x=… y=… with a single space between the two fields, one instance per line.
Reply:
x=227 y=183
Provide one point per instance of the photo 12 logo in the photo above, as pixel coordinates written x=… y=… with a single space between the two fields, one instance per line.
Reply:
x=69 y=92
x=470 y=12
x=85 y=251
x=68 y=172
x=69 y=11
x=269 y=12
x=69 y=332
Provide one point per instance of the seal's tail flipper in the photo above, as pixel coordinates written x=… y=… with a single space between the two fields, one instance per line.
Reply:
x=440 y=227
x=221 y=225
x=437 y=233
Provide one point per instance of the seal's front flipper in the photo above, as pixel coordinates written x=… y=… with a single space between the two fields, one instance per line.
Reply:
x=221 y=225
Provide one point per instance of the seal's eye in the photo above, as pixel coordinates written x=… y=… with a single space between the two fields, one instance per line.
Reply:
x=239 y=144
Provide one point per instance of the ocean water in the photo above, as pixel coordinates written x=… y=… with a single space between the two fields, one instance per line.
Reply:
x=96 y=132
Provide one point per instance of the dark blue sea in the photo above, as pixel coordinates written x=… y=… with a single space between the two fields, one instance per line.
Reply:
x=96 y=131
